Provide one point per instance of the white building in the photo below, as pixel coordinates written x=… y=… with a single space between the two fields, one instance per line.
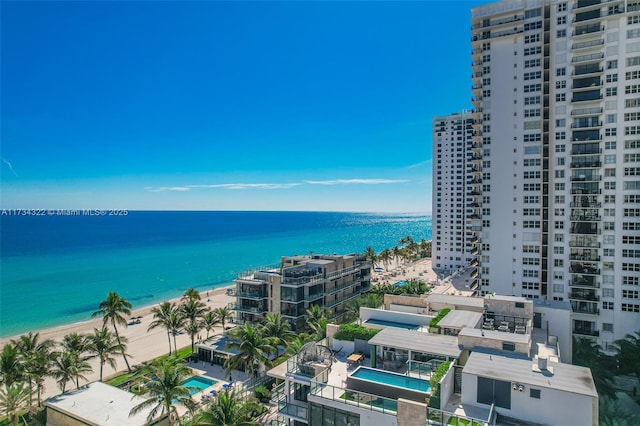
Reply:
x=556 y=92
x=452 y=142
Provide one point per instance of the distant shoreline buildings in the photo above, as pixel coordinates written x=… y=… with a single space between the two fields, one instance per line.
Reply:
x=545 y=196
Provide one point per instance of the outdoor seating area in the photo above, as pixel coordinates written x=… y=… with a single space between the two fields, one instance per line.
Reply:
x=355 y=359
x=505 y=324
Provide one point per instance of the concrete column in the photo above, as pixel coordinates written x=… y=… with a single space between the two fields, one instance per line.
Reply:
x=373 y=355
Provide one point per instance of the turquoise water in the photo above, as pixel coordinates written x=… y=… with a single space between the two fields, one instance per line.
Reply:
x=198 y=383
x=392 y=379
x=393 y=324
x=56 y=270
x=400 y=283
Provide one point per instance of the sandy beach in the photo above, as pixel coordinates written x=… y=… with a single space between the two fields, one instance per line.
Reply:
x=142 y=345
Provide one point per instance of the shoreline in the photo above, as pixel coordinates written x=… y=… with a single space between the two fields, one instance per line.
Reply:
x=90 y=324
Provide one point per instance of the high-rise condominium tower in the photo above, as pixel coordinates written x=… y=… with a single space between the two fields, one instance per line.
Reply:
x=556 y=92
x=452 y=171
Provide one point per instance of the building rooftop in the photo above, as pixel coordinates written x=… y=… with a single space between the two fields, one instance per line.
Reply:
x=495 y=335
x=512 y=368
x=507 y=298
x=460 y=319
x=555 y=304
x=417 y=341
x=100 y=404
x=475 y=302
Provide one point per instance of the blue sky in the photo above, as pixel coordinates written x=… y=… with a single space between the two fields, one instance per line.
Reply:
x=227 y=105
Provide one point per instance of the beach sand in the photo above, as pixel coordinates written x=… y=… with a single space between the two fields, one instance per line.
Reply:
x=142 y=345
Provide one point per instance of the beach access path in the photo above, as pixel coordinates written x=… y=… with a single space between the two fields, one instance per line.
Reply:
x=142 y=345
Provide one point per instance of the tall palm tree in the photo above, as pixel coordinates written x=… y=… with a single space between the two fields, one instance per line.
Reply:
x=64 y=369
x=193 y=309
x=10 y=365
x=371 y=255
x=14 y=399
x=163 y=385
x=78 y=345
x=295 y=344
x=36 y=358
x=224 y=315
x=317 y=321
x=587 y=353
x=425 y=248
x=176 y=322
x=104 y=345
x=162 y=318
x=209 y=321
x=276 y=326
x=628 y=354
x=112 y=310
x=253 y=347
x=191 y=293
x=228 y=409
x=385 y=256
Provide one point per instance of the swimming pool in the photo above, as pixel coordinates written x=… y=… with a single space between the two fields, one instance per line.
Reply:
x=400 y=283
x=392 y=324
x=392 y=379
x=197 y=384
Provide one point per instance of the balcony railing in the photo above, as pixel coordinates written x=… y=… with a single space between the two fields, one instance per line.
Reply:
x=354 y=398
x=243 y=308
x=340 y=300
x=247 y=295
x=338 y=288
x=581 y=296
x=295 y=411
x=586 y=332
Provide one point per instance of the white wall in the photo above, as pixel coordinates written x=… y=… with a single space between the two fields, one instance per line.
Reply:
x=558 y=322
x=446 y=386
x=554 y=407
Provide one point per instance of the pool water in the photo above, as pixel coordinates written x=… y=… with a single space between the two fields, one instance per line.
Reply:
x=392 y=324
x=400 y=283
x=198 y=384
x=392 y=379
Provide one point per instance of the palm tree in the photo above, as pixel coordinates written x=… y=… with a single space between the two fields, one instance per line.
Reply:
x=36 y=358
x=209 y=321
x=276 y=326
x=176 y=322
x=14 y=399
x=162 y=318
x=396 y=253
x=193 y=309
x=78 y=345
x=228 y=409
x=371 y=255
x=104 y=345
x=252 y=346
x=163 y=384
x=425 y=248
x=628 y=354
x=613 y=413
x=385 y=256
x=295 y=344
x=191 y=294
x=112 y=310
x=10 y=365
x=224 y=315
x=64 y=369
x=587 y=353
x=317 y=321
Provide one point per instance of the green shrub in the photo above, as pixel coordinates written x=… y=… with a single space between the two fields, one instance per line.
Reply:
x=439 y=374
x=350 y=332
x=263 y=394
x=434 y=322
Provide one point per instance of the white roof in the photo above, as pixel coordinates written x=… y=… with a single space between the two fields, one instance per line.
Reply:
x=475 y=302
x=460 y=319
x=512 y=368
x=418 y=341
x=100 y=404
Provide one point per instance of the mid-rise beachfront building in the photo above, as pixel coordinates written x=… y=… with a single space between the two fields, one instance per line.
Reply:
x=298 y=283
x=494 y=363
x=555 y=158
x=452 y=172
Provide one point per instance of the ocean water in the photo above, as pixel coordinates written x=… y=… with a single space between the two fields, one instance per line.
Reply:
x=56 y=269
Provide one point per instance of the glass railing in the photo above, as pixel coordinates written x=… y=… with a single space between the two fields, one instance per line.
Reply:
x=437 y=417
x=293 y=410
x=354 y=398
